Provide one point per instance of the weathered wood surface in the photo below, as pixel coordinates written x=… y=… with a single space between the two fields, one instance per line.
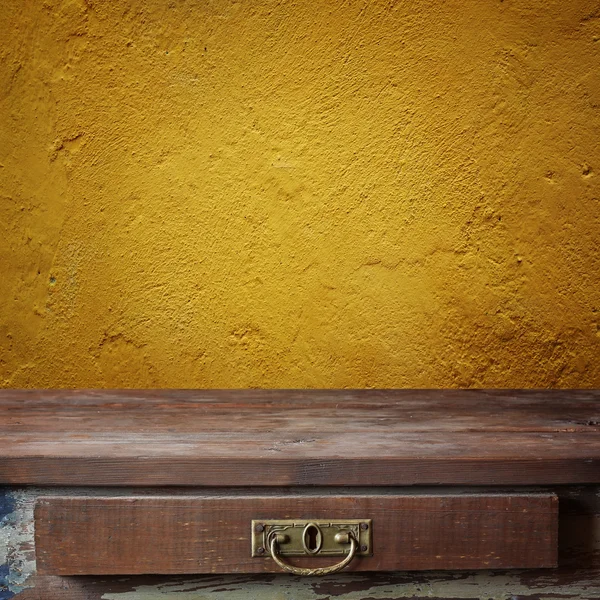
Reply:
x=578 y=575
x=309 y=437
x=211 y=534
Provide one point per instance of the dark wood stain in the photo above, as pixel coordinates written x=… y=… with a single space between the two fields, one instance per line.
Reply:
x=293 y=437
x=176 y=535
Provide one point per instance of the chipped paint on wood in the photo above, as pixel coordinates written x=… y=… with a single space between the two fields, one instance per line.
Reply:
x=7 y=505
x=563 y=583
x=358 y=587
x=17 y=557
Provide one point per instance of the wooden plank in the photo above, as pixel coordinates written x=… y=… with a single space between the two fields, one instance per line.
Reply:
x=310 y=437
x=197 y=470
x=211 y=534
x=401 y=410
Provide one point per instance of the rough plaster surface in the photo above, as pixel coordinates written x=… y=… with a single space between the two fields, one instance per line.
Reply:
x=299 y=193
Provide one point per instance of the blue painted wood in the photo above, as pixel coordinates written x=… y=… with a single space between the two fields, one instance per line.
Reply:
x=7 y=504
x=5 y=593
x=7 y=507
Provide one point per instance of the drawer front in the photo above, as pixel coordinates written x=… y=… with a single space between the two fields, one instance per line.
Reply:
x=214 y=534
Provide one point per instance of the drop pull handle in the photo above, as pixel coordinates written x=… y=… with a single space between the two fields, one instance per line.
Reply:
x=346 y=537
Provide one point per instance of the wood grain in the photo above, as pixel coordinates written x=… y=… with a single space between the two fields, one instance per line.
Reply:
x=196 y=534
x=310 y=437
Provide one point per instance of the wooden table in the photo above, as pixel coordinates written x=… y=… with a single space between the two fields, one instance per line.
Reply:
x=170 y=481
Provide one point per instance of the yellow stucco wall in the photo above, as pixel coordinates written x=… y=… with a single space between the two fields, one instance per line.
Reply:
x=310 y=193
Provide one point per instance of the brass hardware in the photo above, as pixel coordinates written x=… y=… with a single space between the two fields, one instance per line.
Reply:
x=342 y=538
x=312 y=537
x=317 y=571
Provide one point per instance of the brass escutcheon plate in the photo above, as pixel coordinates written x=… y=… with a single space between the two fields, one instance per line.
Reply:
x=311 y=537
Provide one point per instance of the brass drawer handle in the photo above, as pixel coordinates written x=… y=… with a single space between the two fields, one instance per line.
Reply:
x=343 y=538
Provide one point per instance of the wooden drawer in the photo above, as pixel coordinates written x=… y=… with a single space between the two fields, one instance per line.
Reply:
x=211 y=532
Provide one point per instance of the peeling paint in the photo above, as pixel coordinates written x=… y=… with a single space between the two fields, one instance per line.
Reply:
x=5 y=592
x=362 y=587
x=7 y=505
x=17 y=557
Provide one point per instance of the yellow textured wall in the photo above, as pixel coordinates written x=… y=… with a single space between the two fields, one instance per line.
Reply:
x=309 y=193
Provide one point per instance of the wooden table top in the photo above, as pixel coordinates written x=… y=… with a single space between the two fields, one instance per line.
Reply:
x=299 y=437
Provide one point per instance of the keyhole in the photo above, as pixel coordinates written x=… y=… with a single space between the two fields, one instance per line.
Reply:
x=312 y=539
